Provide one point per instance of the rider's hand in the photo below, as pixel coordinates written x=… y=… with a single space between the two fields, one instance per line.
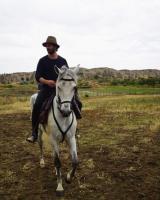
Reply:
x=51 y=83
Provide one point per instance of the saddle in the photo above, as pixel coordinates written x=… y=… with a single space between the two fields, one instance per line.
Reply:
x=46 y=106
x=43 y=117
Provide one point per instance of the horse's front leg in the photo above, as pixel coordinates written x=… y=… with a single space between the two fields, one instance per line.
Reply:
x=73 y=152
x=40 y=141
x=57 y=163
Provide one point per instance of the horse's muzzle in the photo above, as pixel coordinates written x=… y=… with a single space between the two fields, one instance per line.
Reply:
x=66 y=113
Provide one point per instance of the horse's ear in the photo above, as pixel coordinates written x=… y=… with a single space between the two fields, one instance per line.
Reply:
x=76 y=69
x=64 y=68
x=56 y=69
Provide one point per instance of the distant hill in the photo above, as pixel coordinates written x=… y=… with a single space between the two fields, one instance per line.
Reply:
x=94 y=73
x=109 y=73
x=17 y=77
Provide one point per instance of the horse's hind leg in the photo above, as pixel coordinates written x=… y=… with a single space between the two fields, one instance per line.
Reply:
x=57 y=163
x=40 y=141
x=73 y=152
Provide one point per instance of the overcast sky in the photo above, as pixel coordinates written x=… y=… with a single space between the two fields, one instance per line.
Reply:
x=122 y=34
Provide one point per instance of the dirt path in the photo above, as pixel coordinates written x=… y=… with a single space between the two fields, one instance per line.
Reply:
x=125 y=170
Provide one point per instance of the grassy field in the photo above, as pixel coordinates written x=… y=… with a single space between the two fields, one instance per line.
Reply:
x=119 y=148
x=28 y=89
x=119 y=90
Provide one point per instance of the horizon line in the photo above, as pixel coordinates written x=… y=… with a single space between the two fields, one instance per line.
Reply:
x=89 y=68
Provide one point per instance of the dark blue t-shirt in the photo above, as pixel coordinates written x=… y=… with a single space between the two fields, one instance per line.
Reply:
x=46 y=68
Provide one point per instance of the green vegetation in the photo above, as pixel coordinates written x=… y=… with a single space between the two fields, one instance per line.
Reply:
x=141 y=81
x=149 y=81
x=87 y=91
x=119 y=90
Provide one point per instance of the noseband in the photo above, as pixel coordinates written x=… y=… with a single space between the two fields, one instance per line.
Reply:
x=62 y=102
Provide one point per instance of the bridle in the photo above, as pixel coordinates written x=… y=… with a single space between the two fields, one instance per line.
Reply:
x=59 y=102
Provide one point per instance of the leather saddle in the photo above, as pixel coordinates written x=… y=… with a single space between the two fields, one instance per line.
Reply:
x=76 y=107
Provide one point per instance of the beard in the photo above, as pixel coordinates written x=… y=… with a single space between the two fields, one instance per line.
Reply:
x=51 y=50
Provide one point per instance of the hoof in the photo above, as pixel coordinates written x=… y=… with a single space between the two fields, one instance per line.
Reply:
x=59 y=193
x=68 y=179
x=42 y=164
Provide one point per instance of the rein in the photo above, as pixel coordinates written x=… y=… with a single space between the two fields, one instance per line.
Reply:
x=63 y=132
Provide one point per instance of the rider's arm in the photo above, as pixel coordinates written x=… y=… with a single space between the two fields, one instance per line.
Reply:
x=39 y=75
x=39 y=70
x=50 y=83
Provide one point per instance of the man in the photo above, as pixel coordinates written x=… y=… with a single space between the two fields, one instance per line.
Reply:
x=46 y=76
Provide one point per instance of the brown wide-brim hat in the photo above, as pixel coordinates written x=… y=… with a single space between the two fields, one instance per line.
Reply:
x=51 y=40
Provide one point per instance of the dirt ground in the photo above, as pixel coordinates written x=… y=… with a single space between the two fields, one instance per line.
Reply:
x=115 y=162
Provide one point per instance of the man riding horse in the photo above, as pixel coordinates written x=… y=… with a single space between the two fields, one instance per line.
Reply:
x=46 y=75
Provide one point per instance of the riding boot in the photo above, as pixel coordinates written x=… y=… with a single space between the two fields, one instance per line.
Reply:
x=34 y=136
x=35 y=123
x=35 y=131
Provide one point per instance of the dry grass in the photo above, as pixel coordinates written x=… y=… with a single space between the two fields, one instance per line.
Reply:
x=14 y=105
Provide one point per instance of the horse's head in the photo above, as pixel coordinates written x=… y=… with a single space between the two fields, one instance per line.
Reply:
x=65 y=88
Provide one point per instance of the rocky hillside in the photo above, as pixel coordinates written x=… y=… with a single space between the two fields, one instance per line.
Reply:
x=94 y=73
x=110 y=74
x=17 y=77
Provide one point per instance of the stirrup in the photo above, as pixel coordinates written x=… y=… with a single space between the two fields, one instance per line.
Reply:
x=31 y=139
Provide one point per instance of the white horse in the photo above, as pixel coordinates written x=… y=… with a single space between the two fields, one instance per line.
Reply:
x=32 y=102
x=61 y=124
